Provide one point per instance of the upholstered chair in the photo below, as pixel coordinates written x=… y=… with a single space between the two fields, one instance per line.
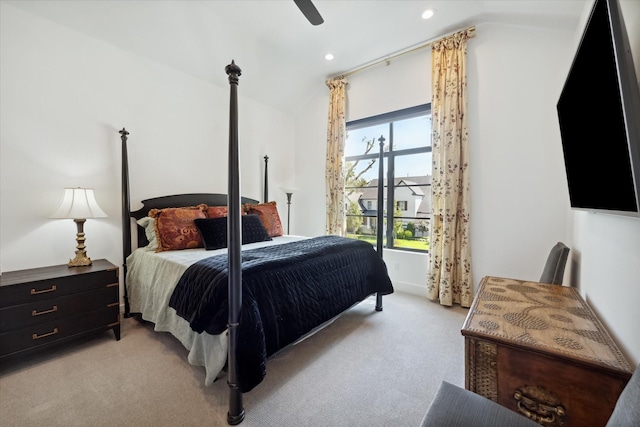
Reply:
x=553 y=272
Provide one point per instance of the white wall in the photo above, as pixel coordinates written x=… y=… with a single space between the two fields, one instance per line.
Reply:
x=518 y=194
x=605 y=255
x=64 y=98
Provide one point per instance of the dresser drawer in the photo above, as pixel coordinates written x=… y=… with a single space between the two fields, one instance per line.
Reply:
x=23 y=315
x=39 y=290
x=58 y=330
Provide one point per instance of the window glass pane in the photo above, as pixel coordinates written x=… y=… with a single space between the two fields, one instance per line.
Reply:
x=365 y=140
x=359 y=172
x=412 y=133
x=408 y=220
x=419 y=239
x=413 y=165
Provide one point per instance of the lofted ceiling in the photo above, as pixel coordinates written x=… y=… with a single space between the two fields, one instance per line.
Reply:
x=281 y=54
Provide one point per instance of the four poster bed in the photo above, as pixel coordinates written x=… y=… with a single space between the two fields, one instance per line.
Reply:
x=250 y=291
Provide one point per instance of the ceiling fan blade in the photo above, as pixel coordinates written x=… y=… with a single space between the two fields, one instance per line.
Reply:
x=309 y=10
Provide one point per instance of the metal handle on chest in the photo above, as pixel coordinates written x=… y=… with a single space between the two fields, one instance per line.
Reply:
x=539 y=405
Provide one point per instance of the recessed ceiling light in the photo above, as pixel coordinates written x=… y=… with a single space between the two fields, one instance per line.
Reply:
x=328 y=56
x=428 y=13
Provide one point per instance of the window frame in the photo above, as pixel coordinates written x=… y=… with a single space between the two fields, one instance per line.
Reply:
x=390 y=156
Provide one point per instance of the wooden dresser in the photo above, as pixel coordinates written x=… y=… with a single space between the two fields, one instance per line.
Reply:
x=48 y=306
x=541 y=351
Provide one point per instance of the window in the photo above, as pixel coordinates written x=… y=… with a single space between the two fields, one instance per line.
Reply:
x=404 y=137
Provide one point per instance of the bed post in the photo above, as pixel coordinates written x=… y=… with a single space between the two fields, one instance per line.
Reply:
x=126 y=219
x=265 y=198
x=234 y=248
x=380 y=208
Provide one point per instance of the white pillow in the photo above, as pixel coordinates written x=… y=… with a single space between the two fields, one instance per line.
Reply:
x=149 y=225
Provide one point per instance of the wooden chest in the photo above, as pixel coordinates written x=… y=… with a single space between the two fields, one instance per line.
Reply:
x=541 y=351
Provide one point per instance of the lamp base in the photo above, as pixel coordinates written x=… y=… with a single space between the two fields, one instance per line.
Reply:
x=81 y=260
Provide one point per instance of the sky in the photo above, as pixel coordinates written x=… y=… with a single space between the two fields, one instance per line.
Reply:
x=409 y=133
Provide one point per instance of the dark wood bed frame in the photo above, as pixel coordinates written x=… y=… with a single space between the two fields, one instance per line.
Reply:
x=234 y=203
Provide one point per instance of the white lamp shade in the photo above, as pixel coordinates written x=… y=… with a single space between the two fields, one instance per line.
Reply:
x=290 y=190
x=78 y=203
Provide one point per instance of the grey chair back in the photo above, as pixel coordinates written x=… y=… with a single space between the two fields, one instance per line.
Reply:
x=627 y=409
x=554 y=268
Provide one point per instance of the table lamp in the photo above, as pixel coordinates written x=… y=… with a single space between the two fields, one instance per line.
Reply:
x=79 y=204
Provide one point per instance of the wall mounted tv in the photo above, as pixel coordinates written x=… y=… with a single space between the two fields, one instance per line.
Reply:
x=599 y=116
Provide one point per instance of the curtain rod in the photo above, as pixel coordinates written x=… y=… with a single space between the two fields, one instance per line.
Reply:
x=388 y=59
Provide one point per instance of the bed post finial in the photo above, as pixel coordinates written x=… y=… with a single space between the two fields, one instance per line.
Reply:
x=233 y=71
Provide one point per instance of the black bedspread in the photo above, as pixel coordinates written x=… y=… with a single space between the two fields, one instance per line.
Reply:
x=288 y=290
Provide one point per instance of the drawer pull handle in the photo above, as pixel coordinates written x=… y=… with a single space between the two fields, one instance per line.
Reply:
x=539 y=405
x=44 y=291
x=37 y=337
x=39 y=313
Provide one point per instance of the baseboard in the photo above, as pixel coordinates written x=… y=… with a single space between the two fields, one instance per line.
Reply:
x=410 y=288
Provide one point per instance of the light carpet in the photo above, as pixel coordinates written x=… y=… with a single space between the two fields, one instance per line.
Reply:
x=367 y=368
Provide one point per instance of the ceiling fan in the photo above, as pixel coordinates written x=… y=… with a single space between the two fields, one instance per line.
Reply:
x=309 y=11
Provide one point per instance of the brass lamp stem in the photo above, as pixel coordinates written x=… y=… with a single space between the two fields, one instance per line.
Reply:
x=81 y=258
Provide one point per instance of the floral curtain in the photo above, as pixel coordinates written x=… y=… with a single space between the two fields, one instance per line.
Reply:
x=449 y=273
x=334 y=172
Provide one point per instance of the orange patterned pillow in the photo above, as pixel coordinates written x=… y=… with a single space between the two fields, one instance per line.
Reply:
x=219 y=211
x=268 y=213
x=175 y=228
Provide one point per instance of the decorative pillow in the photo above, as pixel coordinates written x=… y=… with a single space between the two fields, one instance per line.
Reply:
x=253 y=230
x=175 y=228
x=214 y=231
x=219 y=211
x=268 y=213
x=149 y=225
x=216 y=211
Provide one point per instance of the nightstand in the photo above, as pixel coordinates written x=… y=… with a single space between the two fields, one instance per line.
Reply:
x=48 y=306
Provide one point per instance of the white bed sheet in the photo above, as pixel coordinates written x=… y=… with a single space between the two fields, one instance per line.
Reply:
x=152 y=277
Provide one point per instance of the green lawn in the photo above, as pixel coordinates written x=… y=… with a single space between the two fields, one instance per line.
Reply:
x=422 y=245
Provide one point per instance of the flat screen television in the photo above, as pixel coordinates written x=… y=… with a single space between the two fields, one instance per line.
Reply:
x=599 y=117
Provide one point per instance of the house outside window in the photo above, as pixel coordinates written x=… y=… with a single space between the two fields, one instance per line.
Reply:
x=406 y=162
